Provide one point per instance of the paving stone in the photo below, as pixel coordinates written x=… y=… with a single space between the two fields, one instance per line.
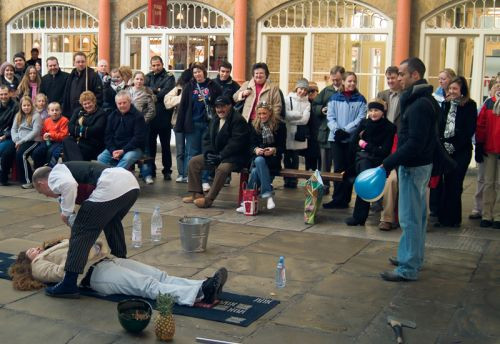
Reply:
x=228 y=237
x=275 y=333
x=330 y=314
x=15 y=246
x=8 y=294
x=313 y=246
x=22 y=328
x=281 y=219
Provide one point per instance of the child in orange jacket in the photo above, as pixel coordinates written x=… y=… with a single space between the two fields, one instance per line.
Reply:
x=54 y=131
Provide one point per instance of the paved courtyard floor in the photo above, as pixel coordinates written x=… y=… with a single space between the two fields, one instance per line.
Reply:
x=333 y=294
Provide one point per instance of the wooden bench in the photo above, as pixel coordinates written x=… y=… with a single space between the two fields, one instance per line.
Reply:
x=292 y=173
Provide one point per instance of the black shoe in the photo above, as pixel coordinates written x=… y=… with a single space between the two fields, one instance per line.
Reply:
x=391 y=276
x=335 y=205
x=496 y=224
x=167 y=177
x=475 y=216
x=486 y=223
x=212 y=287
x=433 y=214
x=394 y=261
x=444 y=225
x=64 y=291
x=352 y=221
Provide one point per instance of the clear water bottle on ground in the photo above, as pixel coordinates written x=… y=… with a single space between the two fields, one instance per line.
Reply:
x=156 y=225
x=137 y=230
x=280 y=273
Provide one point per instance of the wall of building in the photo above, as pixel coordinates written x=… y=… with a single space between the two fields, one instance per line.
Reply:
x=256 y=10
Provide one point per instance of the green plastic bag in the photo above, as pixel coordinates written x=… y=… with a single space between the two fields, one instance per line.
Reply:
x=313 y=190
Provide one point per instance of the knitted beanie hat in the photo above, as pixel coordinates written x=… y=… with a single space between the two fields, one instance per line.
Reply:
x=378 y=104
x=4 y=66
x=302 y=83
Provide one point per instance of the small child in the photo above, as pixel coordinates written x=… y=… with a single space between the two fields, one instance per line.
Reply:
x=54 y=131
x=372 y=141
x=41 y=106
x=25 y=133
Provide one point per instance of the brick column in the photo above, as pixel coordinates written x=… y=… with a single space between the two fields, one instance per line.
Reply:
x=104 y=30
x=403 y=20
x=240 y=40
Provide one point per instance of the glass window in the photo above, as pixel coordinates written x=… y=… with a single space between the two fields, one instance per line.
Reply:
x=135 y=52
x=177 y=52
x=273 y=57
x=491 y=62
x=296 y=61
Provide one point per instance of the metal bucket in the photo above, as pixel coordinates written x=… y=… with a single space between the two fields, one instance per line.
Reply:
x=194 y=233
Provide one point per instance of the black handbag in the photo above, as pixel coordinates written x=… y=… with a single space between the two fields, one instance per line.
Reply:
x=302 y=133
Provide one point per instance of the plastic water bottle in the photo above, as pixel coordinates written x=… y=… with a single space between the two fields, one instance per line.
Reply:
x=71 y=219
x=137 y=230
x=156 y=225
x=281 y=273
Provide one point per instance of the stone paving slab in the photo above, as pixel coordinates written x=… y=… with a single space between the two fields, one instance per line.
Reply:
x=275 y=333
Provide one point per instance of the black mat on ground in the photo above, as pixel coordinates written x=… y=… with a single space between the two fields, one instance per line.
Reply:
x=233 y=309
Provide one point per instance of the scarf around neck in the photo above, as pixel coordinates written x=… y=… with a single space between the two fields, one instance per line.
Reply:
x=267 y=134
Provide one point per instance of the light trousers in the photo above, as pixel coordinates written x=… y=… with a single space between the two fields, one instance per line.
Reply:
x=491 y=192
x=390 y=198
x=130 y=277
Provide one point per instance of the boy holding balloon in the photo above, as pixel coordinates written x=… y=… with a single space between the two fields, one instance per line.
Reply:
x=372 y=144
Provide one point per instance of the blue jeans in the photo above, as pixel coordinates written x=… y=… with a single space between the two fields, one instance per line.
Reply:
x=193 y=145
x=260 y=176
x=412 y=218
x=127 y=160
x=180 y=147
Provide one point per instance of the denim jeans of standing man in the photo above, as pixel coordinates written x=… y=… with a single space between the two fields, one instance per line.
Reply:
x=412 y=218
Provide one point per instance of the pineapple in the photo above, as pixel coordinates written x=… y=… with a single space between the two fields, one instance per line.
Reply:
x=164 y=322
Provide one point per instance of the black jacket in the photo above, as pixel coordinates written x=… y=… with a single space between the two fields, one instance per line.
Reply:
x=76 y=84
x=184 y=122
x=125 y=131
x=11 y=85
x=53 y=86
x=379 y=136
x=465 y=126
x=91 y=133
x=7 y=114
x=161 y=83
x=273 y=162
x=231 y=141
x=109 y=94
x=417 y=135
x=229 y=86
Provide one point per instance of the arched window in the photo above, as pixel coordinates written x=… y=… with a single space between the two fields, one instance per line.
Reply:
x=465 y=36
x=308 y=37
x=195 y=33
x=56 y=30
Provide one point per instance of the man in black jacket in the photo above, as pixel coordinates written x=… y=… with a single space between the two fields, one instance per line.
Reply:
x=414 y=156
x=226 y=147
x=81 y=78
x=125 y=135
x=161 y=82
x=224 y=80
x=19 y=65
x=8 y=109
x=54 y=82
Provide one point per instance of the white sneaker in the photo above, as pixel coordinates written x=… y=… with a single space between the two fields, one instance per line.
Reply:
x=178 y=179
x=205 y=187
x=185 y=179
x=149 y=180
x=241 y=208
x=270 y=203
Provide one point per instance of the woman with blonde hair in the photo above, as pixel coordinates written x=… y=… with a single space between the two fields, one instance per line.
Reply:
x=30 y=83
x=25 y=133
x=268 y=138
x=107 y=275
x=444 y=77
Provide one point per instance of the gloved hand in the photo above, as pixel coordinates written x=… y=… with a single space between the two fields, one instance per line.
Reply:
x=480 y=154
x=213 y=159
x=341 y=135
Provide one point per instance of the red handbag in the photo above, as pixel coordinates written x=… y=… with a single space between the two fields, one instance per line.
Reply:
x=250 y=201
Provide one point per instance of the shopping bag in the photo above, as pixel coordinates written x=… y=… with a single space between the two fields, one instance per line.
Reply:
x=313 y=190
x=250 y=201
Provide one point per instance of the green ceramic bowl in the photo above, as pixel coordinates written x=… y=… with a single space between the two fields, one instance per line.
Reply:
x=134 y=314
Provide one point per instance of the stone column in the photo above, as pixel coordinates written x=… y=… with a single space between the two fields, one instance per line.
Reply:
x=104 y=30
x=240 y=40
x=403 y=21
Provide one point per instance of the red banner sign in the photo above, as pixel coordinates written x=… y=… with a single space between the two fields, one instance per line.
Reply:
x=157 y=13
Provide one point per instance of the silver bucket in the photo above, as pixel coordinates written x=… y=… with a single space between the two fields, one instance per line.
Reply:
x=194 y=233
